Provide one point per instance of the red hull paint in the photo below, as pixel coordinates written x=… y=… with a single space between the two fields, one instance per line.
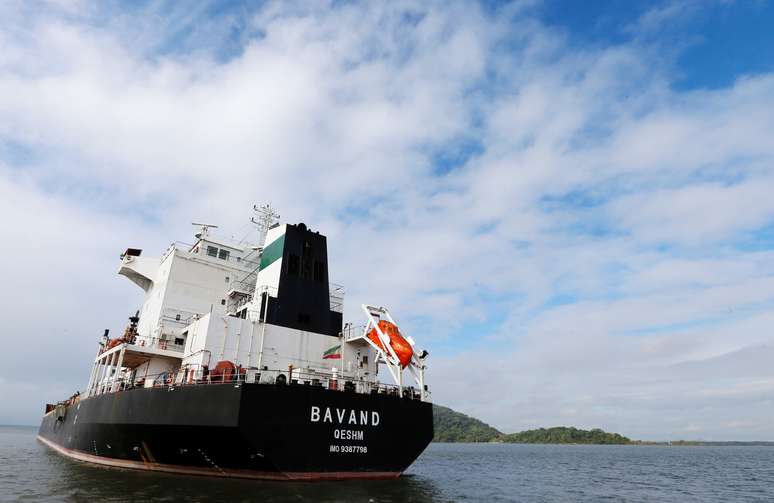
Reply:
x=188 y=470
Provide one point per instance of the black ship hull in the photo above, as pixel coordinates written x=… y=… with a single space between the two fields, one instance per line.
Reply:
x=244 y=430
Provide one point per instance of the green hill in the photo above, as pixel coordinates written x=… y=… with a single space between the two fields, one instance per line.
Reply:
x=452 y=426
x=565 y=435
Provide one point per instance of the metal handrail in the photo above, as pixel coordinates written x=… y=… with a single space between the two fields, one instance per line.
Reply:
x=247 y=287
x=336 y=297
x=172 y=314
x=236 y=306
x=155 y=342
x=185 y=377
x=186 y=247
x=351 y=331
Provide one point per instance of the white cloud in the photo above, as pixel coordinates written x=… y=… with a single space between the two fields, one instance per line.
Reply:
x=590 y=181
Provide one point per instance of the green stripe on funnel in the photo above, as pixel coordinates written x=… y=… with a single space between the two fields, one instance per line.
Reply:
x=272 y=252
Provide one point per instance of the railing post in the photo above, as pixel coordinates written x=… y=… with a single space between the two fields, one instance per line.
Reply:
x=98 y=378
x=118 y=366
x=91 y=379
x=422 y=383
x=108 y=375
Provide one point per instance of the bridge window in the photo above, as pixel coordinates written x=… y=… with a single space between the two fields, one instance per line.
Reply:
x=212 y=251
x=223 y=255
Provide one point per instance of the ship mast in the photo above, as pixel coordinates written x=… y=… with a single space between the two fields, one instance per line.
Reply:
x=265 y=219
x=204 y=229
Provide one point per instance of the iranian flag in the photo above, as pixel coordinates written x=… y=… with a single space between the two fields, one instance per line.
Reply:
x=333 y=353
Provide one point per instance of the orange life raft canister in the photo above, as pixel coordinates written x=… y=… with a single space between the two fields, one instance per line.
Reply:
x=398 y=344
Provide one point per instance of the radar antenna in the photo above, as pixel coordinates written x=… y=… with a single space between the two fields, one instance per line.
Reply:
x=265 y=219
x=204 y=230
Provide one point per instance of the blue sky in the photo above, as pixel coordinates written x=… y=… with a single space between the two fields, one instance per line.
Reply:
x=711 y=48
x=576 y=194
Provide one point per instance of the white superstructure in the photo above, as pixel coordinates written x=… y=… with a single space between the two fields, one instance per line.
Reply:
x=215 y=309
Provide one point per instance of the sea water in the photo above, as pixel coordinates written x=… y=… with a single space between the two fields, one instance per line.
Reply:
x=29 y=471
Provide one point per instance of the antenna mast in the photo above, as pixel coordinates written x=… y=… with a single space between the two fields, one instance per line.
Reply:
x=204 y=230
x=265 y=218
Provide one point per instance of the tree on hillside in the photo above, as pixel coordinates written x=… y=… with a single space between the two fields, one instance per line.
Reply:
x=451 y=426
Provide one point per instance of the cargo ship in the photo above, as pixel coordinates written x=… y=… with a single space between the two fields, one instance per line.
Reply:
x=238 y=364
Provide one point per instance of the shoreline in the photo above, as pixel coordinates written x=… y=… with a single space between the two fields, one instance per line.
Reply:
x=677 y=443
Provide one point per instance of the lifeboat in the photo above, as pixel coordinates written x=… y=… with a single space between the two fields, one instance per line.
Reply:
x=113 y=343
x=223 y=370
x=226 y=371
x=398 y=344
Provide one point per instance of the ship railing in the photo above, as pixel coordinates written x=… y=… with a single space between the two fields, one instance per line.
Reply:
x=277 y=377
x=351 y=331
x=178 y=316
x=336 y=295
x=335 y=381
x=241 y=287
x=157 y=343
x=241 y=302
x=247 y=262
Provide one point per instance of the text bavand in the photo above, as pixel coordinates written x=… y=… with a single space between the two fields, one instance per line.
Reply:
x=344 y=416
